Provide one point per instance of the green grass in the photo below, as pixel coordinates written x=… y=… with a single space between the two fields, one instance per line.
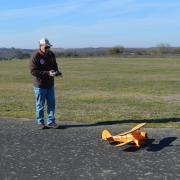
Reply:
x=99 y=89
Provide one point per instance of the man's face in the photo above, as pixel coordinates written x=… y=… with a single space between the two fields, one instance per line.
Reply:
x=44 y=48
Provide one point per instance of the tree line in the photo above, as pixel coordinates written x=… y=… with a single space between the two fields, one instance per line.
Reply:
x=161 y=49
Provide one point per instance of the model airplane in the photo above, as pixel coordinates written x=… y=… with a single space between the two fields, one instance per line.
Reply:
x=134 y=136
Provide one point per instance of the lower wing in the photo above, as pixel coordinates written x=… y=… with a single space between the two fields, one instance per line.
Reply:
x=122 y=144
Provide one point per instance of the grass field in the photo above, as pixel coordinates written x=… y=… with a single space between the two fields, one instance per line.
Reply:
x=100 y=89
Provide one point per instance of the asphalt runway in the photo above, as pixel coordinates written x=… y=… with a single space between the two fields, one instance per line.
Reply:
x=76 y=152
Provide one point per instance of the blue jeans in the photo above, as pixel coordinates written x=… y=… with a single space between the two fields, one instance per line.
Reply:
x=42 y=95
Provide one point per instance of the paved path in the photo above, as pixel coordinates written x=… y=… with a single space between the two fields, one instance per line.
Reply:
x=76 y=152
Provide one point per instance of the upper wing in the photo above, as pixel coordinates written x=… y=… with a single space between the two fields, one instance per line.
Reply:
x=133 y=129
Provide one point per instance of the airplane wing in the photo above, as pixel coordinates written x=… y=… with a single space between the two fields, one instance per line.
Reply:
x=138 y=126
x=133 y=129
x=122 y=144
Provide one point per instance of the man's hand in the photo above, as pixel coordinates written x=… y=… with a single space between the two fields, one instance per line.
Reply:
x=52 y=73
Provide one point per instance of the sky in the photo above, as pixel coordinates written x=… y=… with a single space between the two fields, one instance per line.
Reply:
x=89 y=23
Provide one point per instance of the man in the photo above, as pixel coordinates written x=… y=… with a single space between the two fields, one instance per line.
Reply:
x=44 y=68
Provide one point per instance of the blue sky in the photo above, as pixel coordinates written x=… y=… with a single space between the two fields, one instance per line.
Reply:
x=89 y=23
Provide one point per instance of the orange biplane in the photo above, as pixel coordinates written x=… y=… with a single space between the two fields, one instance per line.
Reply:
x=134 y=136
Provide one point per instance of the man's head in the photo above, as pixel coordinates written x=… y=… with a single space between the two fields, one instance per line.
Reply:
x=44 y=45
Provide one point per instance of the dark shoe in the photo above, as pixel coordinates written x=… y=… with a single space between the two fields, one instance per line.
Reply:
x=53 y=126
x=42 y=126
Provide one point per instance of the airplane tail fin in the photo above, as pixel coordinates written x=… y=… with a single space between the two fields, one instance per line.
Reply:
x=106 y=135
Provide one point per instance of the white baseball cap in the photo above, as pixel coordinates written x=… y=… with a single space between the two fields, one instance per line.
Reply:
x=45 y=41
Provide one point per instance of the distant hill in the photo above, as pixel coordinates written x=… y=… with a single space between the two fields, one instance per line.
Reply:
x=163 y=50
x=13 y=53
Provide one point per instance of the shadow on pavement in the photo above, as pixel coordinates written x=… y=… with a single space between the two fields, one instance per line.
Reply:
x=163 y=120
x=104 y=123
x=154 y=147
x=166 y=142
